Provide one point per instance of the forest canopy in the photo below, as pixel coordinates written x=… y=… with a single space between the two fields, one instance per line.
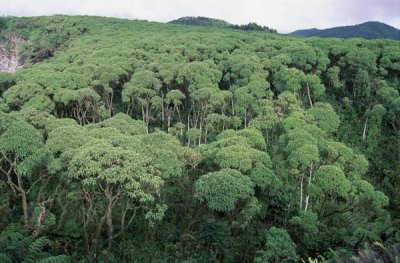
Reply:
x=135 y=141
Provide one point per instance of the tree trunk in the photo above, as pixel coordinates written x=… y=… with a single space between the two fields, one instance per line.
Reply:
x=24 y=203
x=93 y=245
x=110 y=228
x=111 y=104
x=201 y=130
x=145 y=121
x=162 y=108
x=309 y=183
x=307 y=198
x=301 y=192
x=309 y=95
x=364 y=134
x=108 y=217
x=169 y=122
x=39 y=220
x=147 y=118
x=233 y=106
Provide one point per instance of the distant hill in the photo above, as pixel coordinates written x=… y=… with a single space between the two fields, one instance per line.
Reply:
x=212 y=22
x=201 y=21
x=368 y=30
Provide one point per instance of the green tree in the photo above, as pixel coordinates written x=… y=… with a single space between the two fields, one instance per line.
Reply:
x=223 y=189
x=120 y=176
x=278 y=247
x=21 y=153
x=140 y=90
x=173 y=101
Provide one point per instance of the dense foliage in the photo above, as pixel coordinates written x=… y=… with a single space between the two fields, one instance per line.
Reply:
x=368 y=30
x=200 y=21
x=130 y=141
x=212 y=22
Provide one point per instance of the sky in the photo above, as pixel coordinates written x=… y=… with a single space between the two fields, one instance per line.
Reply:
x=283 y=15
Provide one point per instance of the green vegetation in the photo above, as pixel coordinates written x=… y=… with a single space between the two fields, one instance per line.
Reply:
x=368 y=30
x=130 y=141
x=201 y=21
x=212 y=22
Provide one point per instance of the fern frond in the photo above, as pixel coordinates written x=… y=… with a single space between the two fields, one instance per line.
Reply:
x=55 y=259
x=5 y=258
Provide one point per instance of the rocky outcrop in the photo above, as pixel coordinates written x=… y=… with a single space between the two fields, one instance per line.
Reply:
x=9 y=61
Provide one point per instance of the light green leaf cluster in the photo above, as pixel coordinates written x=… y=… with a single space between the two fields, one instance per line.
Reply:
x=223 y=189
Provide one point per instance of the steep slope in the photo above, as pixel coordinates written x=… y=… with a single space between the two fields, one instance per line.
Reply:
x=368 y=30
x=9 y=61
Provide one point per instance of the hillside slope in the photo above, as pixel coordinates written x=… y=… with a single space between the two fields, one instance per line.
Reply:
x=135 y=141
x=368 y=30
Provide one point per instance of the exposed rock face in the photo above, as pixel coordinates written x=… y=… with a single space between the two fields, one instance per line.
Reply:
x=9 y=61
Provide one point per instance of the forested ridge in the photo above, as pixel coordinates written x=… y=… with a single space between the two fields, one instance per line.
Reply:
x=212 y=22
x=135 y=141
x=368 y=30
